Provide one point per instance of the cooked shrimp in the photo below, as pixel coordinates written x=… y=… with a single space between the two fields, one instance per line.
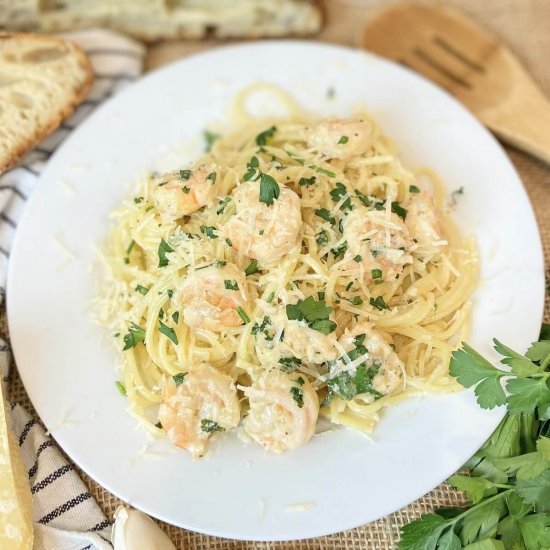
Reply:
x=380 y=355
x=339 y=139
x=204 y=403
x=425 y=225
x=294 y=339
x=264 y=232
x=381 y=242
x=211 y=296
x=283 y=411
x=182 y=192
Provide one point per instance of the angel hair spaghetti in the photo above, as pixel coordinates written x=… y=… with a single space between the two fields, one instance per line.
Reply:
x=295 y=269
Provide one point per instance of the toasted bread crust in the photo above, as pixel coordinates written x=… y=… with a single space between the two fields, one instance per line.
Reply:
x=20 y=149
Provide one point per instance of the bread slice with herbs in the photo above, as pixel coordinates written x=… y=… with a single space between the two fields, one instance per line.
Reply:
x=42 y=80
x=153 y=20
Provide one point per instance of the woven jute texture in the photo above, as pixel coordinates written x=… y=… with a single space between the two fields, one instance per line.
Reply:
x=521 y=24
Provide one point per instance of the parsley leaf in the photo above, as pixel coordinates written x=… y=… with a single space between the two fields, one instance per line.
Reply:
x=343 y=140
x=422 y=534
x=209 y=426
x=208 y=230
x=297 y=395
x=289 y=363
x=269 y=189
x=414 y=189
x=325 y=214
x=340 y=249
x=168 y=332
x=178 y=378
x=314 y=312
x=164 y=248
x=363 y=198
x=261 y=138
x=243 y=315
x=223 y=204
x=469 y=368
x=142 y=289
x=322 y=238
x=252 y=268
x=399 y=210
x=135 y=335
x=378 y=303
x=307 y=181
x=338 y=193
x=184 y=175
x=230 y=284
x=121 y=388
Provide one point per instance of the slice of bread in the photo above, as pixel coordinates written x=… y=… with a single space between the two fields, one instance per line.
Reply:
x=42 y=80
x=153 y=20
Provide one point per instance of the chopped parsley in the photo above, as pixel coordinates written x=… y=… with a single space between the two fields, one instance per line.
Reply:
x=209 y=426
x=243 y=315
x=414 y=189
x=229 y=242
x=176 y=316
x=343 y=140
x=252 y=172
x=142 y=289
x=357 y=258
x=212 y=177
x=121 y=388
x=270 y=298
x=340 y=249
x=315 y=313
x=298 y=396
x=293 y=156
x=178 y=378
x=257 y=328
x=269 y=189
x=128 y=250
x=208 y=230
x=376 y=273
x=307 y=181
x=325 y=214
x=322 y=238
x=164 y=248
x=223 y=204
x=347 y=385
x=399 y=210
x=158 y=425
x=135 y=335
x=210 y=138
x=289 y=363
x=324 y=171
x=356 y=301
x=219 y=263
x=261 y=138
x=137 y=200
x=252 y=268
x=168 y=332
x=363 y=198
x=338 y=193
x=185 y=174
x=378 y=303
x=230 y=284
x=185 y=189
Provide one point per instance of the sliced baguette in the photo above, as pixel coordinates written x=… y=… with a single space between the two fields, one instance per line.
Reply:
x=42 y=80
x=152 y=20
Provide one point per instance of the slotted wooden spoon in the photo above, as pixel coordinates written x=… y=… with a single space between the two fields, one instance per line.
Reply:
x=474 y=66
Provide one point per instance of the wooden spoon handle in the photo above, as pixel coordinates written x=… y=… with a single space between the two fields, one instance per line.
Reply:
x=524 y=123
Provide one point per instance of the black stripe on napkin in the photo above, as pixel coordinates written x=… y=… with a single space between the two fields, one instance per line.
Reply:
x=69 y=505
x=48 y=480
x=42 y=447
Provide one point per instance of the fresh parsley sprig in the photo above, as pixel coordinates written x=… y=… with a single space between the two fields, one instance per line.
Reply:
x=508 y=479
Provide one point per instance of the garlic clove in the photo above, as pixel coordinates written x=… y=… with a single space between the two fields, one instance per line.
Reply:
x=134 y=530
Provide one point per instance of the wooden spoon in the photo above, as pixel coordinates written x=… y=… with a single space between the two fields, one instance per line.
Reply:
x=474 y=66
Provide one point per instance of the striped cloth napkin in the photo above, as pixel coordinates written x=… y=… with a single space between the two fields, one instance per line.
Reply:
x=65 y=514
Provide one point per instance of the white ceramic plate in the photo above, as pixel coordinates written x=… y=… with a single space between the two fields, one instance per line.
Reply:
x=340 y=479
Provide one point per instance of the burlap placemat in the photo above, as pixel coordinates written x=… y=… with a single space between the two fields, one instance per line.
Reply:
x=523 y=25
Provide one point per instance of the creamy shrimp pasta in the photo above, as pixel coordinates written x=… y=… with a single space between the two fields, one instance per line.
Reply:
x=295 y=269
